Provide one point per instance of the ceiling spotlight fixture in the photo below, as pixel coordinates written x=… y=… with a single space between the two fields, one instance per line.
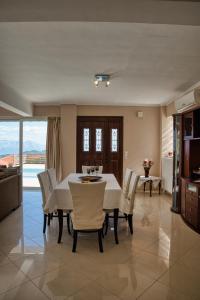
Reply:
x=98 y=78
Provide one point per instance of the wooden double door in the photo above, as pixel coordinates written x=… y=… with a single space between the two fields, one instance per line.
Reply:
x=100 y=142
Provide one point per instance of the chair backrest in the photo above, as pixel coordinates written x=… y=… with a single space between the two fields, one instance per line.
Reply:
x=45 y=185
x=127 y=203
x=85 y=168
x=127 y=179
x=87 y=204
x=52 y=177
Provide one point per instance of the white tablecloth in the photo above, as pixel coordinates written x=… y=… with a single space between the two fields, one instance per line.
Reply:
x=61 y=196
x=155 y=180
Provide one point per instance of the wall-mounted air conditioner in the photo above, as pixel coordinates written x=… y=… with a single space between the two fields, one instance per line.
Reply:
x=188 y=100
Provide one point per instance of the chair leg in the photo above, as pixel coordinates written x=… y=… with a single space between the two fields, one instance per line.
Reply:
x=49 y=219
x=106 y=223
x=68 y=223
x=126 y=217
x=100 y=240
x=130 y=223
x=60 y=220
x=116 y=214
x=75 y=235
x=44 y=223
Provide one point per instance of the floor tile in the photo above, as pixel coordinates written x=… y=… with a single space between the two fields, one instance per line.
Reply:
x=10 y=277
x=182 y=279
x=24 y=292
x=3 y=259
x=21 y=248
x=123 y=281
x=160 y=292
x=91 y=292
x=37 y=264
x=159 y=261
x=61 y=283
x=149 y=265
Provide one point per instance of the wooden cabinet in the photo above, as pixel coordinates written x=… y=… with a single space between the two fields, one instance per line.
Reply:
x=183 y=192
x=191 y=156
x=190 y=202
x=186 y=174
x=188 y=125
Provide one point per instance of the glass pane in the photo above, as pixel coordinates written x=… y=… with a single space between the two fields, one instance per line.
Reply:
x=114 y=140
x=9 y=143
x=34 y=151
x=86 y=139
x=98 y=139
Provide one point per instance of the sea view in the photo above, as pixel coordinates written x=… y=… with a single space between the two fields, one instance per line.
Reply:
x=33 y=148
x=30 y=172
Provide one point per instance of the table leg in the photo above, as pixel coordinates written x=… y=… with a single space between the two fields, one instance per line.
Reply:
x=159 y=186
x=60 y=220
x=150 y=187
x=144 y=186
x=116 y=214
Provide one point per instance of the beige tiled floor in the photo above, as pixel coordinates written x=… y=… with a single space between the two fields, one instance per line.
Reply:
x=160 y=261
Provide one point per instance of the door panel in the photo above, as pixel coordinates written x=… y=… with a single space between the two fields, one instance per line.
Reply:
x=100 y=142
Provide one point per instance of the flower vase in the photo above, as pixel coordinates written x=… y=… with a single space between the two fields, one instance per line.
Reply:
x=146 y=172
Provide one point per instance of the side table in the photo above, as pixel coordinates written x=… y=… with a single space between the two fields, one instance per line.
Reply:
x=153 y=182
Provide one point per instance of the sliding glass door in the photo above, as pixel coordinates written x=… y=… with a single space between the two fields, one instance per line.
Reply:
x=23 y=143
x=9 y=143
x=34 y=151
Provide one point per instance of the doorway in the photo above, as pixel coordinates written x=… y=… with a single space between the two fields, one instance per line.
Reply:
x=100 y=142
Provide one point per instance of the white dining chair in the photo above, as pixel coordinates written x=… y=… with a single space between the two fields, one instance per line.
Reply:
x=52 y=177
x=127 y=201
x=87 y=214
x=126 y=182
x=85 y=168
x=125 y=191
x=46 y=190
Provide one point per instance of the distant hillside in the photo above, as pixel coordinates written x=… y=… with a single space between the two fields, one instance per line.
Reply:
x=12 y=147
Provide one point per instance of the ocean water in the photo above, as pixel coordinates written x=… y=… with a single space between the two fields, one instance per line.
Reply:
x=30 y=174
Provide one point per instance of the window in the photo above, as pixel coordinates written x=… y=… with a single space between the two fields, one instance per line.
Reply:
x=98 y=139
x=9 y=143
x=34 y=151
x=86 y=139
x=23 y=143
x=114 y=140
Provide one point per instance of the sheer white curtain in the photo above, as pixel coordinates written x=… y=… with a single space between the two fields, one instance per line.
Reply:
x=53 y=146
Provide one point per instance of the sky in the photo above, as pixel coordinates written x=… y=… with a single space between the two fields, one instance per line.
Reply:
x=34 y=131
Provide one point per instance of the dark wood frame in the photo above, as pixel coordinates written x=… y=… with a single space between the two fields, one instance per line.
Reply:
x=96 y=119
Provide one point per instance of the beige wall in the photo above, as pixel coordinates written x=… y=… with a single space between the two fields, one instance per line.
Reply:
x=141 y=136
x=166 y=127
x=44 y=110
x=170 y=109
x=68 y=115
x=7 y=114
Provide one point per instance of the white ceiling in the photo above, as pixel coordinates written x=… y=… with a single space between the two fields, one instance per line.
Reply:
x=54 y=62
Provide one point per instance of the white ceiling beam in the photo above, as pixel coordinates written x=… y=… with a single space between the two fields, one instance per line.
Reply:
x=12 y=101
x=153 y=12
x=23 y=108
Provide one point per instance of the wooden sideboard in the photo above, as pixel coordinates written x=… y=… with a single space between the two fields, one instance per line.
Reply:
x=186 y=170
x=190 y=202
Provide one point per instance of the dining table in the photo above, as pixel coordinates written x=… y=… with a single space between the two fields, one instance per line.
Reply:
x=60 y=199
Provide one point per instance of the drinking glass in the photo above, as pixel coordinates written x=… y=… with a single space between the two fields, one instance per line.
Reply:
x=97 y=169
